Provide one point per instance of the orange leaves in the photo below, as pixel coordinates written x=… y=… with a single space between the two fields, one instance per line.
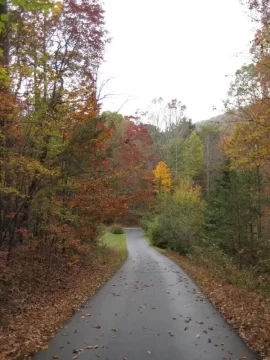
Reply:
x=248 y=146
x=243 y=309
x=249 y=143
x=96 y=202
x=56 y=10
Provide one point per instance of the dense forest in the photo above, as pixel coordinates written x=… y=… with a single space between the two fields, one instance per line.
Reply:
x=67 y=169
x=212 y=183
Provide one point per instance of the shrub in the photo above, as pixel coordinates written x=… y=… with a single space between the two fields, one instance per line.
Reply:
x=146 y=220
x=156 y=233
x=178 y=224
x=223 y=268
x=117 y=229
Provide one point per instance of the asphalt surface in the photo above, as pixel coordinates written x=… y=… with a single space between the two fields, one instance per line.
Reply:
x=150 y=309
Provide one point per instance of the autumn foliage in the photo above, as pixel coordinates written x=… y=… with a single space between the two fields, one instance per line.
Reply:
x=163 y=180
x=66 y=169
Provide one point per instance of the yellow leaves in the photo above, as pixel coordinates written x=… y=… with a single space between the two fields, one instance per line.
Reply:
x=189 y=191
x=30 y=167
x=57 y=9
x=163 y=180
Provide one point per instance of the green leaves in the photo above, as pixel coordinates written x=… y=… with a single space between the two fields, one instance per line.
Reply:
x=178 y=220
x=8 y=190
x=3 y=17
x=25 y=4
x=192 y=157
x=33 y=4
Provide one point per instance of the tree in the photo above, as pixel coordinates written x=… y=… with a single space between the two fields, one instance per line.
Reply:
x=177 y=223
x=162 y=180
x=45 y=108
x=167 y=122
x=192 y=157
x=261 y=7
x=248 y=146
x=210 y=135
x=231 y=217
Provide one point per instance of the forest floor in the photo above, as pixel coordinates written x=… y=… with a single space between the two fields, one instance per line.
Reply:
x=247 y=311
x=34 y=303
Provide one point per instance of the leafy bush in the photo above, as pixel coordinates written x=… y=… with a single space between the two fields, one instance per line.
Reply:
x=179 y=218
x=145 y=221
x=117 y=229
x=156 y=233
x=223 y=268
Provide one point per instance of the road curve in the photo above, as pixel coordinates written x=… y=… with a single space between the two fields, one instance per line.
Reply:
x=150 y=309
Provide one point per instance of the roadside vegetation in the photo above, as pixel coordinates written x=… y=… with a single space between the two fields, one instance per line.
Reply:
x=212 y=207
x=236 y=296
x=66 y=168
x=115 y=239
x=35 y=302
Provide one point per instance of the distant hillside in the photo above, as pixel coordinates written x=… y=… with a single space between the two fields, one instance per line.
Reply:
x=226 y=121
x=219 y=119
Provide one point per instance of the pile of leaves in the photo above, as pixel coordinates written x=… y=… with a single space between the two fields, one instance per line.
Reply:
x=35 y=300
x=248 y=312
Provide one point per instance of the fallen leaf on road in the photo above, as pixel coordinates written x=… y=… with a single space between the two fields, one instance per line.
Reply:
x=91 y=347
x=45 y=347
x=198 y=336
x=56 y=357
x=114 y=330
x=75 y=357
x=149 y=352
x=94 y=326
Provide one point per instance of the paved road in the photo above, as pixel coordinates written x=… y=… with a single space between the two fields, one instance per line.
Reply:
x=150 y=309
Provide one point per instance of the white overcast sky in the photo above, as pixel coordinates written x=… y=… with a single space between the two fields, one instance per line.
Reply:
x=175 y=49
